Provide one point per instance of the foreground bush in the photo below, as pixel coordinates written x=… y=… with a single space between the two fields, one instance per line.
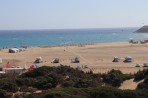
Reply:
x=3 y=94
x=141 y=74
x=65 y=76
x=67 y=82
x=101 y=92
x=144 y=84
x=49 y=77
x=115 y=77
x=8 y=86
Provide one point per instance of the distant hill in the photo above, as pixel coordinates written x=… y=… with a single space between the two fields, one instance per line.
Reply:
x=143 y=29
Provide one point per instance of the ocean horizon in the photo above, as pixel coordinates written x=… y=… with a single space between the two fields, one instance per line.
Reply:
x=16 y=38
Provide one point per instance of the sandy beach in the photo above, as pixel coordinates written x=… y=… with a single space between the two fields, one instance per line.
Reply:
x=98 y=57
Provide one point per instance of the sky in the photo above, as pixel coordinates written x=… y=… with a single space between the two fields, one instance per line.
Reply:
x=70 y=14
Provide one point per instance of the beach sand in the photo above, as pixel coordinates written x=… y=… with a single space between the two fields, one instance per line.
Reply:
x=98 y=57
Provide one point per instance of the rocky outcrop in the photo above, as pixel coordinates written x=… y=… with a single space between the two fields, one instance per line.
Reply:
x=143 y=29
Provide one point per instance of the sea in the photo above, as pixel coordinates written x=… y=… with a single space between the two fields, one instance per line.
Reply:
x=53 y=37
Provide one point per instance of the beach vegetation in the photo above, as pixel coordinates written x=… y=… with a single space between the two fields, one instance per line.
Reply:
x=115 y=77
x=3 y=94
x=64 y=76
x=67 y=82
x=7 y=83
x=141 y=74
x=95 y=92
x=49 y=77
x=144 y=84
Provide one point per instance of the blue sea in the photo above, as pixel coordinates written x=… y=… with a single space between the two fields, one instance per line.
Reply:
x=16 y=38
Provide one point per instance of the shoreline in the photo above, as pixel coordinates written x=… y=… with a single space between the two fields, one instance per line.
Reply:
x=61 y=45
x=78 y=44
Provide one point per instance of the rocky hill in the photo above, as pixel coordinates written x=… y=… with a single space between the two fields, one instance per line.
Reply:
x=143 y=29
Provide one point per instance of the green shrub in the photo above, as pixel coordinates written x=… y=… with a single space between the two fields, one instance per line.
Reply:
x=98 y=92
x=8 y=86
x=144 y=84
x=115 y=77
x=49 y=77
x=3 y=94
x=141 y=74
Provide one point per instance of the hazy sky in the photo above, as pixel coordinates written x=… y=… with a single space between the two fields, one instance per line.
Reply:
x=61 y=14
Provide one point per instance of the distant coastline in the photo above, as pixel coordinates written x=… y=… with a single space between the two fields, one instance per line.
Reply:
x=143 y=29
